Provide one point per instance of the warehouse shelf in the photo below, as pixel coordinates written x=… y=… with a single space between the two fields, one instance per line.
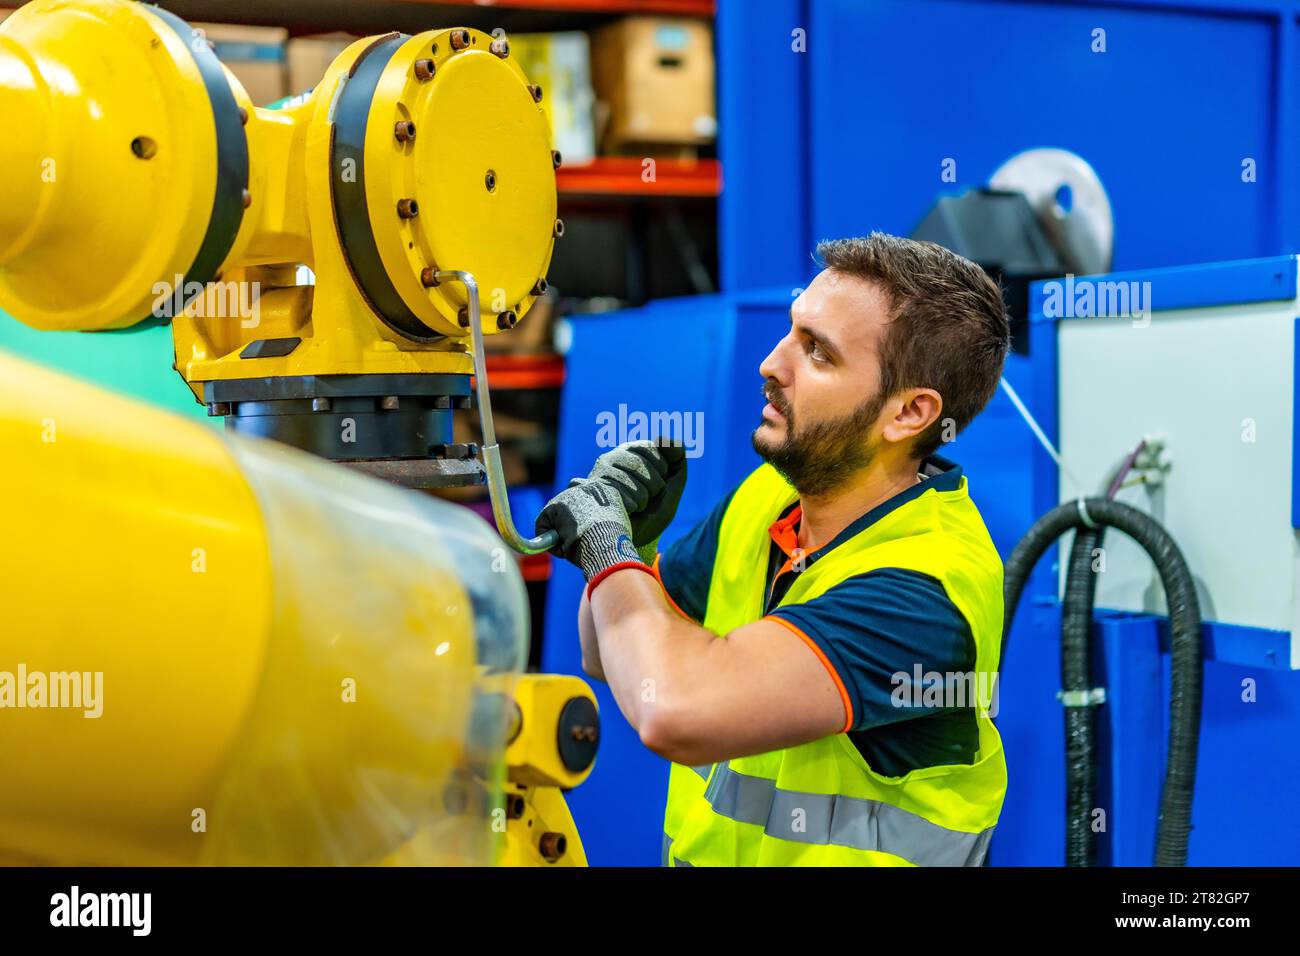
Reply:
x=624 y=176
x=676 y=8
x=377 y=16
x=525 y=371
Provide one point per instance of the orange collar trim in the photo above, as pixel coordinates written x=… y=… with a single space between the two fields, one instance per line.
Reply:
x=785 y=531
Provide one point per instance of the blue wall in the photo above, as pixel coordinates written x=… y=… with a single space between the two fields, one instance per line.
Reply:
x=850 y=135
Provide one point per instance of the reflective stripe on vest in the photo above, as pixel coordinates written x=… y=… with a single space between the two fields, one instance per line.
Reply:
x=839 y=820
x=668 y=842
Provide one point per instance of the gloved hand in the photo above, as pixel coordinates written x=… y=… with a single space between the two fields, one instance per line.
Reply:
x=594 y=530
x=650 y=478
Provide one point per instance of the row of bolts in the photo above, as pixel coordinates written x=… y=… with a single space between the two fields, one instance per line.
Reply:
x=404 y=131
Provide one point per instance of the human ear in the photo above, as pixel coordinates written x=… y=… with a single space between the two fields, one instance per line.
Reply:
x=915 y=411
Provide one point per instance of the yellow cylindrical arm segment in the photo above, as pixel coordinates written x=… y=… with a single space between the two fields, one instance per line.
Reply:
x=275 y=660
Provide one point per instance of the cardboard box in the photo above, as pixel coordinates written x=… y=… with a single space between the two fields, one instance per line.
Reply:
x=560 y=63
x=256 y=55
x=309 y=57
x=654 y=79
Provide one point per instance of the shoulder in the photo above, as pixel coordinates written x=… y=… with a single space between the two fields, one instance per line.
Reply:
x=873 y=627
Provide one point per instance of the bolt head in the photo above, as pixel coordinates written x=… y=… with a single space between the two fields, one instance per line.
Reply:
x=556 y=159
x=463 y=317
x=552 y=846
x=536 y=92
x=459 y=39
x=424 y=70
x=320 y=404
x=390 y=403
x=507 y=320
x=429 y=278
x=500 y=47
x=540 y=287
x=558 y=230
x=408 y=208
x=404 y=131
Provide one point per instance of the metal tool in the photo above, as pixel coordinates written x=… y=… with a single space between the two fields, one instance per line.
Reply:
x=496 y=481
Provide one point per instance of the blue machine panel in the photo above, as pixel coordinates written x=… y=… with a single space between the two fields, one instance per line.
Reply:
x=1272 y=279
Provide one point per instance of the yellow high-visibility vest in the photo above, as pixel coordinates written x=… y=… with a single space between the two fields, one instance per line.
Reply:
x=820 y=803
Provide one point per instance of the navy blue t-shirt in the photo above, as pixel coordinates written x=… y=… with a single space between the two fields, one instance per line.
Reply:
x=870 y=628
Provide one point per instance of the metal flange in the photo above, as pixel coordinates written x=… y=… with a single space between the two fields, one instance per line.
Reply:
x=477 y=184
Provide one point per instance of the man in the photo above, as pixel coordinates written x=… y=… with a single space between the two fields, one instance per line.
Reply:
x=771 y=653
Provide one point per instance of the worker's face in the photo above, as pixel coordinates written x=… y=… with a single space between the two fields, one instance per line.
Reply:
x=821 y=424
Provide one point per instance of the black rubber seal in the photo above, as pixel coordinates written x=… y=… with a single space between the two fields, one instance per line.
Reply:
x=232 y=165
x=351 y=212
x=294 y=387
x=352 y=429
x=574 y=737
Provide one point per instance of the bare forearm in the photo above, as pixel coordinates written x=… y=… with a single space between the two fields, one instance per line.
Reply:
x=591 y=663
x=646 y=649
x=696 y=698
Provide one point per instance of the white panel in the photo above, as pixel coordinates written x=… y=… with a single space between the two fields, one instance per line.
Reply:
x=1197 y=377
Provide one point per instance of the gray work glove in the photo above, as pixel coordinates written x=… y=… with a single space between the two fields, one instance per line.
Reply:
x=594 y=530
x=650 y=478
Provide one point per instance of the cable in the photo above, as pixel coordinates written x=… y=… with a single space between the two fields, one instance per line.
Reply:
x=1038 y=432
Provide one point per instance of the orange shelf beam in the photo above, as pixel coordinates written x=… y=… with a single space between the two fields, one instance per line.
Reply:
x=677 y=8
x=628 y=175
x=525 y=371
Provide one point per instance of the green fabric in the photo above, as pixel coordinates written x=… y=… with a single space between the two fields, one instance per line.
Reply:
x=135 y=362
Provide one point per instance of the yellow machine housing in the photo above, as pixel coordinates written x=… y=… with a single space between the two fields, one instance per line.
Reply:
x=152 y=189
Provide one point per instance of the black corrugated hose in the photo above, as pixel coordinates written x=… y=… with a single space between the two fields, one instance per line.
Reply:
x=1080 y=719
x=1175 y=822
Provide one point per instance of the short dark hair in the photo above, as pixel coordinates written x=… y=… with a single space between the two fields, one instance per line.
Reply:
x=948 y=326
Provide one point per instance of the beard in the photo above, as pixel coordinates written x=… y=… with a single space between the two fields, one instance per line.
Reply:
x=825 y=455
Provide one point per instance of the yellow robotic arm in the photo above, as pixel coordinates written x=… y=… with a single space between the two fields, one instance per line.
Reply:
x=151 y=189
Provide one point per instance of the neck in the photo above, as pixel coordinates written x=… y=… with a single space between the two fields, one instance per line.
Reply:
x=825 y=516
